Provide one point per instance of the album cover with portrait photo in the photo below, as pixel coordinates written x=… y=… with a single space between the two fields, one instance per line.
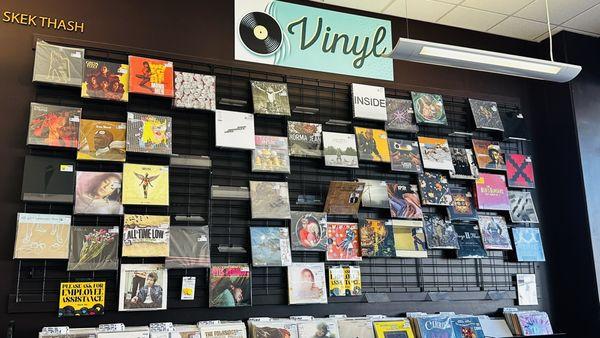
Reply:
x=42 y=236
x=489 y=155
x=269 y=200
x=522 y=209
x=404 y=156
x=403 y=201
x=434 y=189
x=486 y=115
x=343 y=198
x=376 y=238
x=429 y=108
x=270 y=98
x=494 y=233
x=439 y=232
x=340 y=150
x=234 y=130
x=374 y=194
x=143 y=287
x=305 y=139
x=98 y=193
x=48 y=179
x=306 y=283
x=435 y=153
x=270 y=246
x=465 y=167
x=195 y=91
x=150 y=134
x=519 y=171
x=372 y=144
x=53 y=126
x=230 y=285
x=101 y=140
x=400 y=116
x=146 y=236
x=271 y=154
x=189 y=247
x=308 y=231
x=145 y=184
x=94 y=248
x=58 y=65
x=342 y=242
x=150 y=76
x=105 y=80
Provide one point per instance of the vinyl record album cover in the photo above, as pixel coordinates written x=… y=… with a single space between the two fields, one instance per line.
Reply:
x=105 y=80
x=376 y=238
x=319 y=327
x=270 y=246
x=53 y=126
x=400 y=116
x=356 y=327
x=433 y=326
x=462 y=207
x=337 y=281
x=230 y=285
x=150 y=76
x=272 y=329
x=514 y=124
x=469 y=241
x=486 y=115
x=489 y=155
x=409 y=242
x=527 y=289
x=494 y=233
x=269 y=200
x=342 y=242
x=94 y=248
x=372 y=144
x=306 y=283
x=143 y=287
x=129 y=332
x=270 y=98
x=393 y=329
x=195 y=91
x=375 y=194
x=491 y=192
x=189 y=247
x=145 y=184
x=42 y=236
x=146 y=236
x=464 y=164
x=234 y=130
x=434 y=189
x=435 y=153
x=528 y=245
x=58 y=64
x=404 y=156
x=98 y=193
x=440 y=233
x=48 y=179
x=223 y=330
x=305 y=139
x=404 y=201
x=270 y=154
x=340 y=150
x=150 y=134
x=101 y=140
x=534 y=323
x=368 y=102
x=429 y=108
x=343 y=198
x=81 y=299
x=467 y=326
x=522 y=209
x=352 y=277
x=308 y=231
x=519 y=171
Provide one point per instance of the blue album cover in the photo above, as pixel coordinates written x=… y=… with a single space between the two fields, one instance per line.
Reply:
x=467 y=327
x=469 y=241
x=270 y=246
x=435 y=327
x=528 y=244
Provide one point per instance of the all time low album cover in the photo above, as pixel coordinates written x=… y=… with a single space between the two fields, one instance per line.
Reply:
x=145 y=184
x=486 y=115
x=150 y=76
x=230 y=285
x=53 y=126
x=439 y=232
x=143 y=287
x=489 y=155
x=151 y=134
x=343 y=242
x=308 y=231
x=434 y=189
x=101 y=140
x=98 y=193
x=494 y=233
x=234 y=130
x=400 y=116
x=58 y=65
x=403 y=201
x=269 y=200
x=429 y=109
x=271 y=154
x=105 y=80
x=94 y=248
x=270 y=246
x=372 y=144
x=42 y=236
x=343 y=198
x=305 y=139
x=404 y=156
x=339 y=150
x=195 y=91
x=146 y=236
x=435 y=153
x=270 y=98
x=306 y=283
x=376 y=238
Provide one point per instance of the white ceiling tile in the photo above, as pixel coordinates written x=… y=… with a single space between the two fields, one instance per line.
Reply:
x=588 y=21
x=499 y=6
x=560 y=10
x=544 y=35
x=424 y=10
x=370 y=5
x=454 y=2
x=470 y=18
x=519 y=28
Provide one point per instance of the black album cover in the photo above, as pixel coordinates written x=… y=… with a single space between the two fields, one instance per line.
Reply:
x=515 y=127
x=58 y=64
x=469 y=241
x=434 y=189
x=189 y=247
x=48 y=179
x=486 y=115
x=440 y=233
x=404 y=156
x=462 y=208
x=464 y=163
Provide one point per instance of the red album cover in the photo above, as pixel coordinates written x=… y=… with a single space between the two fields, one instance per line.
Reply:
x=342 y=242
x=150 y=76
x=519 y=171
x=491 y=192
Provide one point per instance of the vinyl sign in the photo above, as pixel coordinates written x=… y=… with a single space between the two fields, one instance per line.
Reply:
x=285 y=34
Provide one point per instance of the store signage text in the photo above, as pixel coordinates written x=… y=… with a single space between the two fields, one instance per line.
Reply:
x=26 y=19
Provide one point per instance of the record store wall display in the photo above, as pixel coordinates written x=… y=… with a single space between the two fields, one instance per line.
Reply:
x=145 y=184
x=58 y=65
x=429 y=109
x=270 y=98
x=105 y=80
x=53 y=126
x=195 y=91
x=101 y=140
x=368 y=102
x=98 y=193
x=372 y=144
x=150 y=134
x=150 y=76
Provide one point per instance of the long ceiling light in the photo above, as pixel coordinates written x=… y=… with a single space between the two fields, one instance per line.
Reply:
x=482 y=60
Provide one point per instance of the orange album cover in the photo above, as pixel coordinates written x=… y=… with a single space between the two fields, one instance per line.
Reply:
x=150 y=76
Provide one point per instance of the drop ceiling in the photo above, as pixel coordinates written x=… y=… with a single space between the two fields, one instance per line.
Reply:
x=521 y=19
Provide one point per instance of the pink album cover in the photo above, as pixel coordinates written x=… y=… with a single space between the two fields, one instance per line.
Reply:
x=491 y=192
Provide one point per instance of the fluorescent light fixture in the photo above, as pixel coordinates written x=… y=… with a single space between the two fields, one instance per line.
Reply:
x=482 y=60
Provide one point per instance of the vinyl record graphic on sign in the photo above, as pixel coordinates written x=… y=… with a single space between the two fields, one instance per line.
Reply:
x=260 y=33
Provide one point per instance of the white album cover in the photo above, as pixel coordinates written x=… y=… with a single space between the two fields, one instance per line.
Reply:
x=234 y=130
x=368 y=102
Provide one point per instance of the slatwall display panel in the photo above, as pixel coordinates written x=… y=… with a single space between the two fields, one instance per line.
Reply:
x=401 y=279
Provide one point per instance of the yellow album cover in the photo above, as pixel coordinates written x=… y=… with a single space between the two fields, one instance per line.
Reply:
x=145 y=184
x=372 y=144
x=396 y=328
x=81 y=299
x=101 y=140
x=146 y=236
x=337 y=282
x=353 y=280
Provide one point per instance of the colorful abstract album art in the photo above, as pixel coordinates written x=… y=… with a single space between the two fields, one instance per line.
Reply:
x=534 y=323
x=53 y=126
x=372 y=144
x=269 y=200
x=94 y=248
x=434 y=189
x=271 y=154
x=439 y=232
x=467 y=326
x=486 y=115
x=519 y=171
x=270 y=246
x=80 y=299
x=342 y=242
x=150 y=134
x=305 y=139
x=376 y=238
x=489 y=155
x=143 y=287
x=494 y=233
x=195 y=91
x=403 y=200
x=101 y=140
x=306 y=283
x=58 y=65
x=230 y=285
x=150 y=76
x=308 y=231
x=105 y=80
x=400 y=116
x=404 y=155
x=42 y=236
x=145 y=184
x=429 y=109
x=146 y=236
x=270 y=98
x=98 y=193
x=491 y=192
x=435 y=153
x=340 y=150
